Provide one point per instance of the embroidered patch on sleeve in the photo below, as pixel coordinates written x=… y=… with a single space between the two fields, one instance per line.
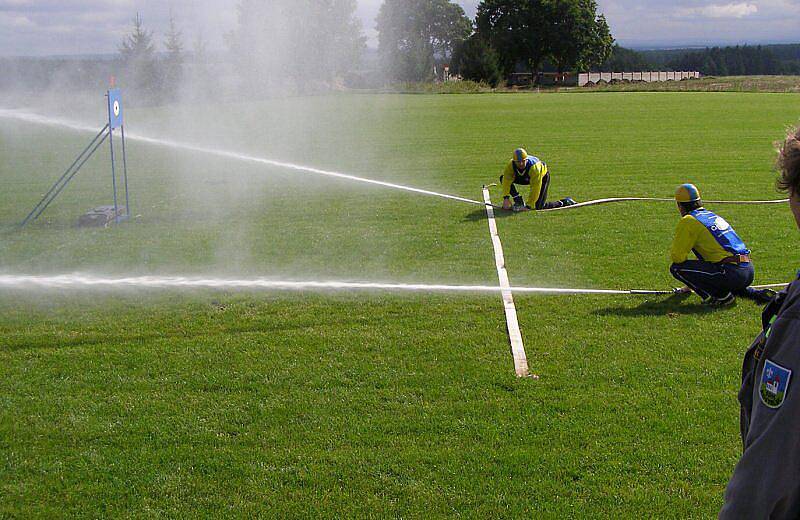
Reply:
x=774 y=384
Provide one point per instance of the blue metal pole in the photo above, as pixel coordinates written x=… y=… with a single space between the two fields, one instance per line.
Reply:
x=74 y=173
x=64 y=176
x=113 y=174
x=125 y=173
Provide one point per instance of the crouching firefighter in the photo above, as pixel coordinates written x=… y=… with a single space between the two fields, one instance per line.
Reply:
x=524 y=169
x=723 y=269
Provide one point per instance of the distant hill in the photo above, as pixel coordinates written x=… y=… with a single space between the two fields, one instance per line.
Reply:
x=729 y=61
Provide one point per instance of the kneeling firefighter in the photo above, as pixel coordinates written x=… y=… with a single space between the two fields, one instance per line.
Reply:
x=723 y=269
x=526 y=170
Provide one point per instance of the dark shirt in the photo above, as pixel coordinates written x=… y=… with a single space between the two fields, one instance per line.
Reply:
x=766 y=481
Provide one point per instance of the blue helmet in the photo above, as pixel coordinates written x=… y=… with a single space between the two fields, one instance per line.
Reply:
x=687 y=193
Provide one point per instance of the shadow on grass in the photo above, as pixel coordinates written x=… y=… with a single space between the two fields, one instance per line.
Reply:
x=674 y=305
x=480 y=214
x=96 y=339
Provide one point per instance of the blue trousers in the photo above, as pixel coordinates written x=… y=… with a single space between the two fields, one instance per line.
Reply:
x=717 y=280
x=525 y=180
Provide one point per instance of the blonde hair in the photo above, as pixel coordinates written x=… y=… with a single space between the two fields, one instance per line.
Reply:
x=789 y=162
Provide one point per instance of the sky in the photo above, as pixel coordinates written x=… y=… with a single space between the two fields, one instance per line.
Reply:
x=56 y=27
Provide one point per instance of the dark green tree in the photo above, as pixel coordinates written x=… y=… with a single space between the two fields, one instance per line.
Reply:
x=733 y=61
x=514 y=28
x=204 y=84
x=598 y=45
x=569 y=33
x=625 y=60
x=412 y=34
x=577 y=38
x=476 y=60
x=137 y=55
x=173 y=61
x=302 y=44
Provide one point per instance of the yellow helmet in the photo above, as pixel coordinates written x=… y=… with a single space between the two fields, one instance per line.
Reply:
x=520 y=154
x=687 y=193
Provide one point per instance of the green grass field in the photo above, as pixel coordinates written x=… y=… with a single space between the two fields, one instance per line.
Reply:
x=221 y=403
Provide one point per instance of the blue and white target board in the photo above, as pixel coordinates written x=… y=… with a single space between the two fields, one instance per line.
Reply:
x=114 y=108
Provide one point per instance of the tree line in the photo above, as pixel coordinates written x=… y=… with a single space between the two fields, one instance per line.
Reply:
x=740 y=60
x=735 y=61
x=151 y=76
x=506 y=36
x=310 y=45
x=152 y=70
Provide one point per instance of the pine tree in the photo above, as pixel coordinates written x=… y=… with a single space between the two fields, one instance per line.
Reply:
x=204 y=84
x=137 y=54
x=173 y=62
x=412 y=34
x=476 y=60
x=296 y=44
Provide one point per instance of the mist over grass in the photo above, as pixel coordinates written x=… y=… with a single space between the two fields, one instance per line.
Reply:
x=201 y=402
x=198 y=214
x=216 y=402
x=202 y=213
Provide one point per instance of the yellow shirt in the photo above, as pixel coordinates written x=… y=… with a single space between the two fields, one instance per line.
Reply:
x=538 y=171
x=693 y=235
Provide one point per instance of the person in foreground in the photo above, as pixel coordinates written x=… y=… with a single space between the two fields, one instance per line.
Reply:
x=723 y=268
x=526 y=170
x=766 y=481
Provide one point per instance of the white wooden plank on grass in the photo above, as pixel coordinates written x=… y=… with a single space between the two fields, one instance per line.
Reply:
x=514 y=334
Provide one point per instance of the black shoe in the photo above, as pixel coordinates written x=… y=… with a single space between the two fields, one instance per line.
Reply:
x=725 y=301
x=569 y=201
x=762 y=296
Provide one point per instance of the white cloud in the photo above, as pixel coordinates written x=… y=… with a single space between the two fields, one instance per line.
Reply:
x=737 y=10
x=88 y=26
x=15 y=21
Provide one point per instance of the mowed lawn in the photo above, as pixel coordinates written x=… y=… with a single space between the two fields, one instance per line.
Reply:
x=143 y=403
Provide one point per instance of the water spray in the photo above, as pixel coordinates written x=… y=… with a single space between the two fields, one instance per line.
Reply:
x=84 y=282
x=30 y=117
x=49 y=121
